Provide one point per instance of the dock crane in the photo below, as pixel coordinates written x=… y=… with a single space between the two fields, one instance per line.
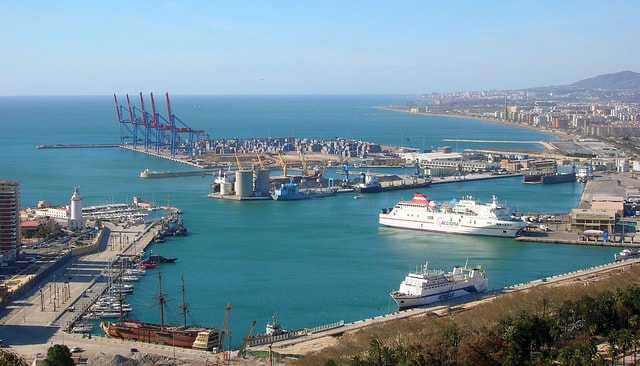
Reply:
x=238 y=160
x=283 y=164
x=260 y=162
x=305 y=172
x=224 y=329
x=246 y=339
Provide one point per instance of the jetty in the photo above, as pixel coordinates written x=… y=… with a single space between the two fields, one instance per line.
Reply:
x=75 y=146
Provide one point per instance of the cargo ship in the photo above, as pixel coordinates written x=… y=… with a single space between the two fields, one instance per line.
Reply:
x=291 y=192
x=550 y=177
x=185 y=336
x=467 y=216
x=431 y=286
x=373 y=184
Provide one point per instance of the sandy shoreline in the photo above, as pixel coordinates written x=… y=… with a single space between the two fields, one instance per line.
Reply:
x=559 y=134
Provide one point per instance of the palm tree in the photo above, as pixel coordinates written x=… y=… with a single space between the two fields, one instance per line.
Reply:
x=612 y=339
x=10 y=358
x=625 y=341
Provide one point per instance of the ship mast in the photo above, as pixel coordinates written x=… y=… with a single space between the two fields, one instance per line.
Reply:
x=161 y=299
x=184 y=307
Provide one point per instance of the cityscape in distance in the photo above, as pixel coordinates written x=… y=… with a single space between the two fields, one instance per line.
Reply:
x=605 y=107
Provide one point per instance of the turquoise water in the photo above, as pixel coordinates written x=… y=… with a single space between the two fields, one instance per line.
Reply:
x=312 y=262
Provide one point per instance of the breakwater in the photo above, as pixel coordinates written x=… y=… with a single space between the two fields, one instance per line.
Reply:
x=75 y=146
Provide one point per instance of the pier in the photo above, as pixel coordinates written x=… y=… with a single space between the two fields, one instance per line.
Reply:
x=75 y=146
x=494 y=141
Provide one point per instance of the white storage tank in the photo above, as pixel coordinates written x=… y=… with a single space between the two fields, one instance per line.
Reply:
x=244 y=183
x=636 y=166
x=226 y=188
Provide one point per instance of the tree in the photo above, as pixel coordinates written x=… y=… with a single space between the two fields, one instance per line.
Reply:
x=10 y=358
x=59 y=355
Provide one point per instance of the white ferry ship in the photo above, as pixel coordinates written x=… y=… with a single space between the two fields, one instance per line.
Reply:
x=431 y=286
x=467 y=216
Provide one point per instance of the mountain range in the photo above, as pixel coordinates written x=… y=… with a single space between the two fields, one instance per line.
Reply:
x=619 y=80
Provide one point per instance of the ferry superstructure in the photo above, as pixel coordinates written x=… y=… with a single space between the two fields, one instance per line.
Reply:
x=430 y=286
x=467 y=216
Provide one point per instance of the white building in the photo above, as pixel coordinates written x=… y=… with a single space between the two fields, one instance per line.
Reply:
x=75 y=221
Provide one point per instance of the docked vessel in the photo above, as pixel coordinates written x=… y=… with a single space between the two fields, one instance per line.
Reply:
x=549 y=177
x=373 y=184
x=186 y=336
x=291 y=191
x=467 y=216
x=430 y=286
x=627 y=254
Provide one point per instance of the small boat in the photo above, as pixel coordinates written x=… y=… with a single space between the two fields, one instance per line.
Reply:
x=430 y=286
x=82 y=328
x=627 y=254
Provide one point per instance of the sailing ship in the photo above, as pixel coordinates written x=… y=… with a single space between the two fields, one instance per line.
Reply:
x=186 y=336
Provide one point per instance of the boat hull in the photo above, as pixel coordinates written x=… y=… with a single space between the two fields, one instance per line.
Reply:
x=301 y=196
x=407 y=301
x=153 y=333
x=445 y=225
x=467 y=217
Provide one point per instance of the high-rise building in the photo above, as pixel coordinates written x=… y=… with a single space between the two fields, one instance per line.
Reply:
x=9 y=220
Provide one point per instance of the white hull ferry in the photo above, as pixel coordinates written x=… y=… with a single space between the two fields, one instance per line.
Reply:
x=430 y=286
x=468 y=216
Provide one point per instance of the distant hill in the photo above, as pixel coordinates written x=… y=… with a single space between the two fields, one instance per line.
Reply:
x=619 y=80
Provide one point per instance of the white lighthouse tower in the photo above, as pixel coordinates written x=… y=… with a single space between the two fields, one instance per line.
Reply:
x=75 y=216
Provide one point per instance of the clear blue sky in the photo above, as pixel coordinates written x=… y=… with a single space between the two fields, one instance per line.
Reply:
x=310 y=47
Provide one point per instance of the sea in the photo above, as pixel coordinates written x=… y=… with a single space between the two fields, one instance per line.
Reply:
x=311 y=262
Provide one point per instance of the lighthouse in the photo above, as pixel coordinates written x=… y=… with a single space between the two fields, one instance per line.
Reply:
x=75 y=216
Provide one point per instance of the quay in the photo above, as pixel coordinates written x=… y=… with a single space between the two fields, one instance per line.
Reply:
x=559 y=230
x=75 y=146
x=169 y=174
x=494 y=141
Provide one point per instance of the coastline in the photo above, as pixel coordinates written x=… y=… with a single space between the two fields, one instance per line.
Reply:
x=559 y=134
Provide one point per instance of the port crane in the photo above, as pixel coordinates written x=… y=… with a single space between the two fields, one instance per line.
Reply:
x=224 y=329
x=238 y=160
x=305 y=172
x=246 y=339
x=283 y=164
x=260 y=162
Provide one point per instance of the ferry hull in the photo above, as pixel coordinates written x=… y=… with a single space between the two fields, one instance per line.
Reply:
x=405 y=302
x=506 y=230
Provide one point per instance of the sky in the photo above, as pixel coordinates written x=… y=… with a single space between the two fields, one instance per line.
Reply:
x=271 y=47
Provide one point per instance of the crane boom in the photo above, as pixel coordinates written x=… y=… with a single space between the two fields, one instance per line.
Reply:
x=246 y=339
x=283 y=164
x=305 y=172
x=260 y=160
x=224 y=329
x=238 y=160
